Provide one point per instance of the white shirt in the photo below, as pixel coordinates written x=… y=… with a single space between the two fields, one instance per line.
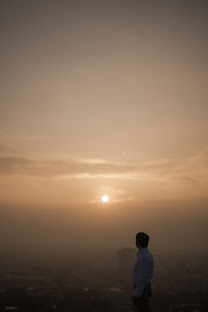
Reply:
x=143 y=270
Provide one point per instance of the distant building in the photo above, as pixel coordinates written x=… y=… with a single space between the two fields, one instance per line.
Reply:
x=126 y=259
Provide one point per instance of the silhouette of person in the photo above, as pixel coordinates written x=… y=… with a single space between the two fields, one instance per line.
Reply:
x=142 y=274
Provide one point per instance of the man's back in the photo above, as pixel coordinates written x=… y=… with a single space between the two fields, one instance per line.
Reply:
x=143 y=273
x=143 y=270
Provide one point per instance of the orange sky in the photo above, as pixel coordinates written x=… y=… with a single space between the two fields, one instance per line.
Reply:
x=103 y=97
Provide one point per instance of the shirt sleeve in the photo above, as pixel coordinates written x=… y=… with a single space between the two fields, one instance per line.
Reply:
x=140 y=280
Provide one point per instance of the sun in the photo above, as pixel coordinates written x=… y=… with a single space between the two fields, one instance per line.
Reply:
x=105 y=198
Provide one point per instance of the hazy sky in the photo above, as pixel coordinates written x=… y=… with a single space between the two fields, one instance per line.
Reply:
x=104 y=97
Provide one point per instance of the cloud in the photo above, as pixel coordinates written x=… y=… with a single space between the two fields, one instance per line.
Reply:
x=187 y=170
x=53 y=168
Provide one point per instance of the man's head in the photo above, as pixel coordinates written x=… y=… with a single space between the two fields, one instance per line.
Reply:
x=142 y=240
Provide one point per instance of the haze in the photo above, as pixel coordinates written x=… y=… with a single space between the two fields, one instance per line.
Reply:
x=103 y=97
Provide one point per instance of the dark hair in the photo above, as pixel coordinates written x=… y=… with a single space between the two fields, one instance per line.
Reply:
x=143 y=239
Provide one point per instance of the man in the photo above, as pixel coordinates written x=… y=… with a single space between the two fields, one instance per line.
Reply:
x=142 y=274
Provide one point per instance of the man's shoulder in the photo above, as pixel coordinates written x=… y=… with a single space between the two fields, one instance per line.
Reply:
x=147 y=254
x=150 y=252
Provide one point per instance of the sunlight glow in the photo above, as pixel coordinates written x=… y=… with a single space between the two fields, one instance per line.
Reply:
x=105 y=198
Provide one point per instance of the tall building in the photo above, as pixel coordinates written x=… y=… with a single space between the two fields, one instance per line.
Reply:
x=126 y=259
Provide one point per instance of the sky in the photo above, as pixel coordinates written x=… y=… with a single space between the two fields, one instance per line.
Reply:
x=104 y=97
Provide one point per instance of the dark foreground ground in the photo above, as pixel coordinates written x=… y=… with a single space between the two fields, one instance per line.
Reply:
x=97 y=286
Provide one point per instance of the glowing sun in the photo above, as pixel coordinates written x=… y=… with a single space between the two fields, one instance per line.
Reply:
x=105 y=198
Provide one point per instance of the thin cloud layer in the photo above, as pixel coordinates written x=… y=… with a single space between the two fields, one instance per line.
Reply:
x=51 y=168
x=189 y=170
